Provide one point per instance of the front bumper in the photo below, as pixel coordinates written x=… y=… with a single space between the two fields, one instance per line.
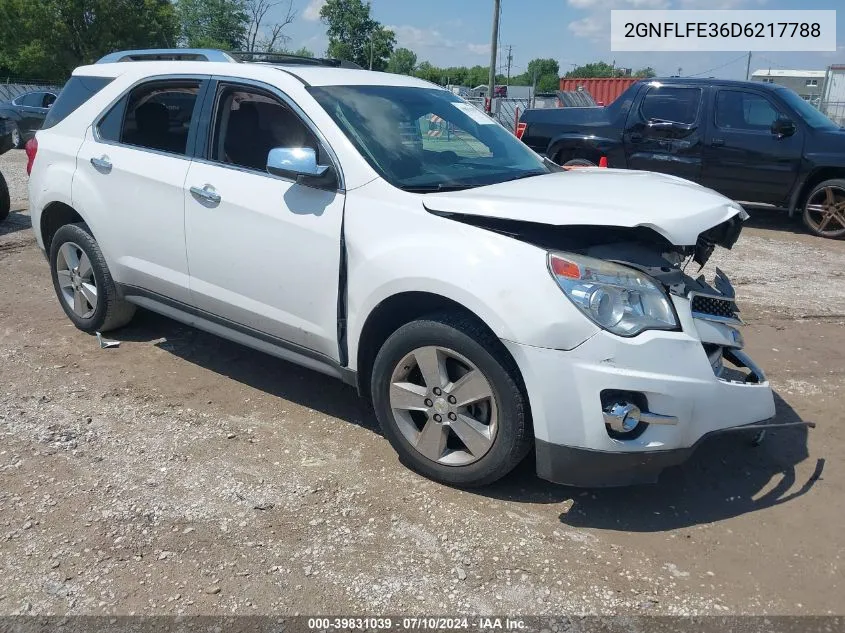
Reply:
x=676 y=380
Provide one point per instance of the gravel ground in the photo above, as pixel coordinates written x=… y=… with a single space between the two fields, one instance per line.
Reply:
x=182 y=474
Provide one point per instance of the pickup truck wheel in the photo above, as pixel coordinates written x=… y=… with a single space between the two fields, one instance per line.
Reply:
x=83 y=283
x=5 y=202
x=824 y=211
x=579 y=162
x=447 y=398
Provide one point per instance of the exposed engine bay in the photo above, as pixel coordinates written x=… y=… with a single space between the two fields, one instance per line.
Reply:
x=638 y=247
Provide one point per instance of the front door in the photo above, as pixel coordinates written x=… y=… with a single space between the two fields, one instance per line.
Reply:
x=264 y=251
x=131 y=173
x=745 y=160
x=664 y=131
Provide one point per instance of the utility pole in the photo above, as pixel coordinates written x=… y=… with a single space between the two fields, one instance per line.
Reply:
x=510 y=60
x=494 y=45
x=748 y=67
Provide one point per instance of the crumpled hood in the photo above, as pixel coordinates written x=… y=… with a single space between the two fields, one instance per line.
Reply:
x=677 y=209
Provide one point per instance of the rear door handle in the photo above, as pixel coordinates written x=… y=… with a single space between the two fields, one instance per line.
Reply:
x=102 y=163
x=717 y=142
x=207 y=193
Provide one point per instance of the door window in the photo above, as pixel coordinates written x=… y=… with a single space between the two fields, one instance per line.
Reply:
x=672 y=104
x=738 y=110
x=249 y=123
x=154 y=116
x=33 y=100
x=49 y=99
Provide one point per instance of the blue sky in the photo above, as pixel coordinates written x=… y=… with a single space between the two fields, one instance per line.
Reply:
x=457 y=33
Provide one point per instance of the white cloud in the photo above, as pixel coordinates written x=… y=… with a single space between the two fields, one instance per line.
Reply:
x=413 y=37
x=591 y=27
x=479 y=49
x=312 y=11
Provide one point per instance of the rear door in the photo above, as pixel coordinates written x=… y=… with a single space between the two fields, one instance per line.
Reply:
x=664 y=130
x=132 y=169
x=744 y=159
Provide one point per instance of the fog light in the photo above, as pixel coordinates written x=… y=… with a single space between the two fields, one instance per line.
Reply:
x=622 y=417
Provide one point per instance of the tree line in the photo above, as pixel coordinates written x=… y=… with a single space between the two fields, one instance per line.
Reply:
x=47 y=39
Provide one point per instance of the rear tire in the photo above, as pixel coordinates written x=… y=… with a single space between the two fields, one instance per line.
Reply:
x=5 y=202
x=579 y=162
x=824 y=209
x=474 y=426
x=83 y=283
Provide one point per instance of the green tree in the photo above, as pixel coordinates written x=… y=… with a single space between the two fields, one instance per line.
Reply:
x=355 y=36
x=213 y=23
x=648 y=71
x=47 y=39
x=304 y=52
x=402 y=61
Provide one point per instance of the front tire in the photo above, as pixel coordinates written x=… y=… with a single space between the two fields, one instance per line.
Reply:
x=5 y=202
x=579 y=162
x=83 y=283
x=449 y=400
x=824 y=210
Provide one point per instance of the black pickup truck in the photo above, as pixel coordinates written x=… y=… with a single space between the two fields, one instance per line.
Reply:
x=753 y=142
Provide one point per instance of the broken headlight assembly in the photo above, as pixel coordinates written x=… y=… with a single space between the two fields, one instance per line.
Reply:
x=619 y=299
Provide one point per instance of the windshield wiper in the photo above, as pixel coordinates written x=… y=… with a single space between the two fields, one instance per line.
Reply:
x=437 y=188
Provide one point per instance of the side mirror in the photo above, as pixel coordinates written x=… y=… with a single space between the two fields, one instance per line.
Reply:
x=294 y=162
x=783 y=127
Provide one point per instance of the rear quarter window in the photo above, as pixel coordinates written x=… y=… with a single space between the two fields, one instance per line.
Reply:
x=77 y=91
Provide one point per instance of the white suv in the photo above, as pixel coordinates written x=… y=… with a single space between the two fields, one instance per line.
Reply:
x=380 y=229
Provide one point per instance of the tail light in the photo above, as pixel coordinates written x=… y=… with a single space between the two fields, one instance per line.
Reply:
x=603 y=161
x=31 y=149
x=520 y=130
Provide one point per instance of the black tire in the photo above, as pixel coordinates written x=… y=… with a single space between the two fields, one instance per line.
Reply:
x=814 y=217
x=579 y=162
x=472 y=340
x=111 y=311
x=5 y=202
x=19 y=143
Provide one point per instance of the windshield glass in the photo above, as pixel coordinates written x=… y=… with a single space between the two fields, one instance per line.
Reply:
x=425 y=139
x=811 y=115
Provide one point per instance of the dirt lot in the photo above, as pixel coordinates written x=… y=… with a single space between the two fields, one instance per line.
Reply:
x=180 y=473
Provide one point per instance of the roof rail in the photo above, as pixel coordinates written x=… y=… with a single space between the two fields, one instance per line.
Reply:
x=290 y=58
x=165 y=54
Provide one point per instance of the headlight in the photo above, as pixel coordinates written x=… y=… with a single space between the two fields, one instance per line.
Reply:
x=619 y=299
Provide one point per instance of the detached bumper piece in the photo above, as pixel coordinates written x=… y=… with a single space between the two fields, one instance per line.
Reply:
x=586 y=468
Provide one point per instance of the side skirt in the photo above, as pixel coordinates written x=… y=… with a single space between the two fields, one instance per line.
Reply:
x=238 y=333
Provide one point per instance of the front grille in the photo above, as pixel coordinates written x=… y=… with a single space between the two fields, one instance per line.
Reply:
x=714 y=306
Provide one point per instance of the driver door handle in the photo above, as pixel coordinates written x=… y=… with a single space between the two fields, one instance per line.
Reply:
x=206 y=193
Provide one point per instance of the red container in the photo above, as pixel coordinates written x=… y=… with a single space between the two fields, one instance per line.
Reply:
x=604 y=90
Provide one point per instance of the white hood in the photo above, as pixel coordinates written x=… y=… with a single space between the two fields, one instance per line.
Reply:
x=677 y=209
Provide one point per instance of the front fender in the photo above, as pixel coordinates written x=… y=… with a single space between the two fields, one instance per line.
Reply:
x=394 y=248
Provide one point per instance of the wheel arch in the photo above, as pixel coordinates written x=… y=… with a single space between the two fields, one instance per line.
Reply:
x=397 y=310
x=53 y=217
x=817 y=176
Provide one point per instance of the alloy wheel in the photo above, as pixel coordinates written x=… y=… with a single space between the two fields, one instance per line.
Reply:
x=825 y=212
x=444 y=406
x=76 y=280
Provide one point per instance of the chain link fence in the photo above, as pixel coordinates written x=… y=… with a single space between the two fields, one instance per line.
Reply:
x=835 y=111
x=11 y=87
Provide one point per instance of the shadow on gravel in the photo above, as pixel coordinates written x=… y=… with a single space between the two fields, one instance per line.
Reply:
x=16 y=221
x=775 y=220
x=726 y=477
x=252 y=368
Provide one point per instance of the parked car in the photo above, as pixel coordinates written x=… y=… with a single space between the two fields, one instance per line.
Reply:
x=5 y=145
x=753 y=142
x=26 y=112
x=485 y=299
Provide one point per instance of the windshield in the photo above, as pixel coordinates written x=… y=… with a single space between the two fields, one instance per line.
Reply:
x=811 y=115
x=425 y=139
